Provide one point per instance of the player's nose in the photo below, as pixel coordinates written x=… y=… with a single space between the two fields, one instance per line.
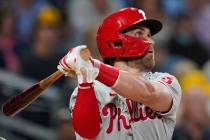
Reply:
x=150 y=41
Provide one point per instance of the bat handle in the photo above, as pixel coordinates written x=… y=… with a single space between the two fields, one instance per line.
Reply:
x=50 y=79
x=84 y=53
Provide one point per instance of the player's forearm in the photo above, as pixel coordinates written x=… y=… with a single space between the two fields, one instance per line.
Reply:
x=153 y=94
x=125 y=84
x=135 y=88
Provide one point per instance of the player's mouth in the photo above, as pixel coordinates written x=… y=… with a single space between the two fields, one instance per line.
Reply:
x=150 y=51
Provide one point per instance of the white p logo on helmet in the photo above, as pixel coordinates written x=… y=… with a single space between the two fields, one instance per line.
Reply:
x=142 y=13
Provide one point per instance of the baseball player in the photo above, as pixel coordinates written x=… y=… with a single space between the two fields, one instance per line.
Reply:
x=121 y=99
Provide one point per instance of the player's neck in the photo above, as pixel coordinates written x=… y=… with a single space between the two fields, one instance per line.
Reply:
x=132 y=70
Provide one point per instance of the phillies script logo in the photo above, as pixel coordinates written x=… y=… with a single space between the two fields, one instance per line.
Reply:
x=136 y=114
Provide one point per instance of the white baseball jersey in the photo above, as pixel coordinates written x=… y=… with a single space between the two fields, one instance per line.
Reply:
x=124 y=119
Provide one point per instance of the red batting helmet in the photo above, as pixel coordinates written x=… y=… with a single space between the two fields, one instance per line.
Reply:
x=113 y=43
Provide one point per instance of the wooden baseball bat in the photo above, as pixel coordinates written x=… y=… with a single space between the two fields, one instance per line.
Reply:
x=19 y=102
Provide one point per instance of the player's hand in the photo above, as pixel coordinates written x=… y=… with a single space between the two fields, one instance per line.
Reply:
x=78 y=60
x=66 y=72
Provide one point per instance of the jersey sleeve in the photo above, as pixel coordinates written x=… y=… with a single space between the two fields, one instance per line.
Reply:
x=174 y=90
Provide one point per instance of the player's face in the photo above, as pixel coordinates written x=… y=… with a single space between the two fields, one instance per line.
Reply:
x=147 y=62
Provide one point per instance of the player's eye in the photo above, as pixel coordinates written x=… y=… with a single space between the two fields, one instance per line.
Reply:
x=138 y=33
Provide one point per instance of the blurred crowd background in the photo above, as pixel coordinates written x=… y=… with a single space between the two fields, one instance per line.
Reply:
x=35 y=34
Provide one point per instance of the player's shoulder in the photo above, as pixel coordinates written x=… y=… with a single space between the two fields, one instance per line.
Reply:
x=158 y=75
x=162 y=74
x=167 y=79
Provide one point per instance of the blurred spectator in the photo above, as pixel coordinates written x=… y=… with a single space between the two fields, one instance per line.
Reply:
x=5 y=4
x=161 y=57
x=127 y=3
x=206 y=69
x=83 y=13
x=193 y=79
x=194 y=124
x=183 y=67
x=49 y=16
x=166 y=62
x=174 y=8
x=90 y=41
x=151 y=7
x=39 y=59
x=200 y=12
x=65 y=129
x=26 y=12
x=184 y=42
x=60 y=4
x=8 y=58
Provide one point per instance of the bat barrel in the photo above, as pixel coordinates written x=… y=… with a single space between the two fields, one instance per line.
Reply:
x=25 y=98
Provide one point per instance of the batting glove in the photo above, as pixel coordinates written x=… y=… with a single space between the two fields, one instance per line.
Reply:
x=83 y=67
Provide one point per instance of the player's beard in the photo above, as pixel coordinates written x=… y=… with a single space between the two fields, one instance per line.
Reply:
x=148 y=62
x=145 y=63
